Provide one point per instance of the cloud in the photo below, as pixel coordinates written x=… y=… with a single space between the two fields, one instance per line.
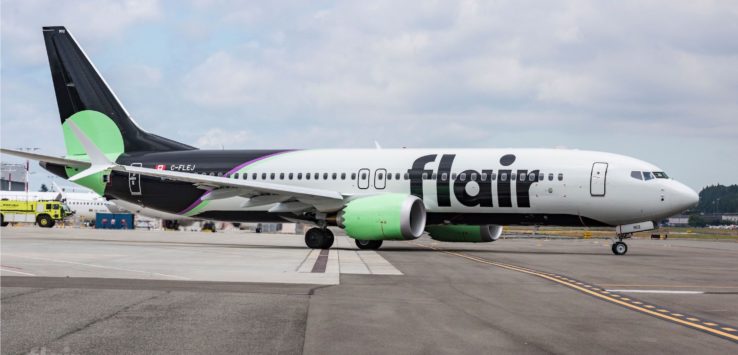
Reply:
x=627 y=76
x=91 y=21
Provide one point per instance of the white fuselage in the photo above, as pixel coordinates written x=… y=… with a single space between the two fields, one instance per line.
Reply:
x=591 y=185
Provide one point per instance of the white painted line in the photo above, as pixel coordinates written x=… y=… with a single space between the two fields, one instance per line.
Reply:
x=101 y=266
x=17 y=272
x=675 y=292
x=307 y=264
x=351 y=263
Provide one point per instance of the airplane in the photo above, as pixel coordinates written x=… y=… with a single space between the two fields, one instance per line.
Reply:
x=454 y=195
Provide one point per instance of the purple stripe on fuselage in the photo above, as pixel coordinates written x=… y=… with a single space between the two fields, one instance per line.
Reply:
x=237 y=168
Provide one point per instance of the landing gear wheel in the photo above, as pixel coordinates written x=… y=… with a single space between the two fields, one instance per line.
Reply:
x=45 y=221
x=619 y=248
x=2 y=221
x=369 y=244
x=319 y=238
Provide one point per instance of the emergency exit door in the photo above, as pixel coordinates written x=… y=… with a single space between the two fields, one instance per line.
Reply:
x=598 y=179
x=134 y=181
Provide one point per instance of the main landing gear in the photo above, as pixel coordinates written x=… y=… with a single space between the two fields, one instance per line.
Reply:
x=619 y=247
x=319 y=238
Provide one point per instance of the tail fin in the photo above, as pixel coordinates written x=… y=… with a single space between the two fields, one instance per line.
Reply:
x=84 y=97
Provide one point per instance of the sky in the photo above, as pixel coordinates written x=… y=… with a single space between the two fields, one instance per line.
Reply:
x=656 y=80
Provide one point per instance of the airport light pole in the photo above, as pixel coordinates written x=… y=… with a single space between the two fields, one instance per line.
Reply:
x=28 y=166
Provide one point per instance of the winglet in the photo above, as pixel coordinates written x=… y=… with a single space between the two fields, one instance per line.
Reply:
x=98 y=159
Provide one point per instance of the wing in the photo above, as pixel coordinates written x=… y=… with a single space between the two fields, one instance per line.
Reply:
x=289 y=198
x=260 y=192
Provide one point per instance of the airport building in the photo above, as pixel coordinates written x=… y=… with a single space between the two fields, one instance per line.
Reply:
x=13 y=177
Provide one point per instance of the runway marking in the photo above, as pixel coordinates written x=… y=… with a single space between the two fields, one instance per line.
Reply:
x=604 y=295
x=100 y=266
x=675 y=292
x=321 y=262
x=17 y=272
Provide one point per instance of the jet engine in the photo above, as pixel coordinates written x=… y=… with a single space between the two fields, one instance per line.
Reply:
x=465 y=233
x=383 y=217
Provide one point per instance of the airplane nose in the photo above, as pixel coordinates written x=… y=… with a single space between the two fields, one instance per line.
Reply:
x=683 y=197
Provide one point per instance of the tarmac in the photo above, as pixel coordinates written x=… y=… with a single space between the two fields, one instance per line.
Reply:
x=67 y=290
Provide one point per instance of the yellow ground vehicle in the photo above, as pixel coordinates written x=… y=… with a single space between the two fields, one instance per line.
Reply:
x=43 y=213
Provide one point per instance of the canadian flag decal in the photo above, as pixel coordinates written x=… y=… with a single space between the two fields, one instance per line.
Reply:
x=161 y=167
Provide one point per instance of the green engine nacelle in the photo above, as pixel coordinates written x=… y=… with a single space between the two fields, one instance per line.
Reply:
x=465 y=233
x=384 y=217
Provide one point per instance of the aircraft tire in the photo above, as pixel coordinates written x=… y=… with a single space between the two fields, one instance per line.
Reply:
x=2 y=221
x=619 y=248
x=328 y=239
x=315 y=238
x=368 y=244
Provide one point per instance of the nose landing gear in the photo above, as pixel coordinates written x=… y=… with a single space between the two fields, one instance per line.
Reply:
x=619 y=247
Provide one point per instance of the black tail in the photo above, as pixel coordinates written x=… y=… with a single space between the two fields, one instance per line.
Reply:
x=80 y=87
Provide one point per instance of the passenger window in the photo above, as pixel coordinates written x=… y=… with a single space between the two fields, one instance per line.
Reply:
x=513 y=176
x=281 y=176
x=389 y=176
x=353 y=176
x=325 y=176
x=307 y=176
x=494 y=176
x=561 y=176
x=531 y=177
x=212 y=173
x=245 y=176
x=647 y=175
x=220 y=173
x=462 y=177
x=540 y=177
x=425 y=176
x=271 y=176
x=253 y=176
x=397 y=176
x=550 y=176
x=484 y=177
x=473 y=177
x=453 y=176
x=343 y=176
x=263 y=176
x=503 y=177
x=299 y=176
x=444 y=177
x=290 y=176
x=235 y=176
x=406 y=176
x=334 y=176
x=433 y=176
x=380 y=176
x=363 y=176
x=636 y=175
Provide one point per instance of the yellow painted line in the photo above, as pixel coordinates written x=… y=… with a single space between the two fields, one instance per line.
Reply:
x=636 y=302
x=677 y=315
x=663 y=310
x=649 y=306
x=728 y=329
x=625 y=299
x=595 y=294
x=693 y=319
x=710 y=324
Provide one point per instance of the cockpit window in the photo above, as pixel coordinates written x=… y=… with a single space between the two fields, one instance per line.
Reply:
x=636 y=175
x=660 y=175
x=647 y=175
